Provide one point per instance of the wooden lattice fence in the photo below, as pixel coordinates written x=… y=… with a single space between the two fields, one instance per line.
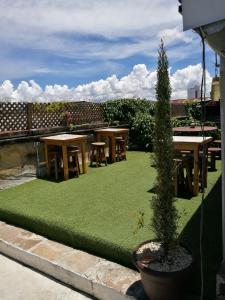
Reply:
x=178 y=110
x=25 y=116
x=13 y=116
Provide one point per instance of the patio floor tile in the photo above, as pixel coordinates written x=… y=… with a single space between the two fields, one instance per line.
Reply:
x=51 y=250
x=79 y=261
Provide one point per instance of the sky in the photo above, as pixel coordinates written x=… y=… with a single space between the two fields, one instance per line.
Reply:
x=94 y=50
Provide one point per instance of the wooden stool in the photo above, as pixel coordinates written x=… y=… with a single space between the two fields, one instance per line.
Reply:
x=98 y=153
x=182 y=175
x=217 y=142
x=120 y=148
x=73 y=160
x=71 y=147
x=203 y=177
x=213 y=152
x=54 y=161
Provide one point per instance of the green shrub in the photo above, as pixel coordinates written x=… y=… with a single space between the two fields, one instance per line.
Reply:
x=137 y=114
x=124 y=110
x=184 y=122
x=194 y=109
x=141 y=131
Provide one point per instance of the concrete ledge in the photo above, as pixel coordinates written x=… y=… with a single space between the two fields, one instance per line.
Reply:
x=93 y=275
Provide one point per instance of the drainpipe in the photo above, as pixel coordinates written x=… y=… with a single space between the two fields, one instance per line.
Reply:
x=222 y=115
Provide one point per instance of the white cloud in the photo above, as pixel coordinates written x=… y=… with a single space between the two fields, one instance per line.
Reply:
x=90 y=30
x=186 y=78
x=6 y=89
x=80 y=40
x=27 y=92
x=109 y=18
x=174 y=35
x=140 y=82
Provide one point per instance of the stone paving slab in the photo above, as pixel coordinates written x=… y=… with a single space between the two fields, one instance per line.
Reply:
x=93 y=275
x=18 y=282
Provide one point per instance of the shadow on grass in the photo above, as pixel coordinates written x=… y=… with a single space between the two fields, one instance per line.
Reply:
x=182 y=192
x=211 y=241
x=60 y=178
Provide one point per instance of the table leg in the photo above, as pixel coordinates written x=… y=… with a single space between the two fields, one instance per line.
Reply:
x=206 y=166
x=110 y=148
x=196 y=173
x=65 y=162
x=113 y=148
x=84 y=166
x=47 y=160
x=125 y=137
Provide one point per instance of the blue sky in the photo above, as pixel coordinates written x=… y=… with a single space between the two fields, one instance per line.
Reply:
x=94 y=49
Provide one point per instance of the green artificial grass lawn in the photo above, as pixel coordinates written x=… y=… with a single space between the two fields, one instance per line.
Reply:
x=98 y=212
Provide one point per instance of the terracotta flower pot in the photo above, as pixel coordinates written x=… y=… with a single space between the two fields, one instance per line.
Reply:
x=161 y=285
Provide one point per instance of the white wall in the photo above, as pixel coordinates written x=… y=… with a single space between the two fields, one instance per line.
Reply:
x=197 y=13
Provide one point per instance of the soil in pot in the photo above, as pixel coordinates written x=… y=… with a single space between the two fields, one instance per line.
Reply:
x=162 y=278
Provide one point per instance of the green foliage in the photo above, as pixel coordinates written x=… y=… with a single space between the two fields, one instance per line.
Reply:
x=194 y=109
x=49 y=107
x=141 y=131
x=124 y=110
x=184 y=122
x=164 y=222
x=111 y=111
x=137 y=114
x=55 y=107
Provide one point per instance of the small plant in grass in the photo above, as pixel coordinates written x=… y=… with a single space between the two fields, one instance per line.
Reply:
x=164 y=222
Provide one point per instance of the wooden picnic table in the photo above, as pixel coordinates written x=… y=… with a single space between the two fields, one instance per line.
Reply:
x=194 y=129
x=192 y=143
x=112 y=133
x=65 y=140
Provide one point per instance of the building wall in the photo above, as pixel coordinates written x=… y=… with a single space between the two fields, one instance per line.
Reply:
x=17 y=155
x=194 y=92
x=215 y=89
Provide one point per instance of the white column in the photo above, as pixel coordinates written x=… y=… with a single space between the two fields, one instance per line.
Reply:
x=222 y=115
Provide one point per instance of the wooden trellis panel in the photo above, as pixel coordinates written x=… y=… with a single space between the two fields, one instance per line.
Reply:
x=13 y=116
x=51 y=115
x=84 y=112
x=22 y=116
x=44 y=115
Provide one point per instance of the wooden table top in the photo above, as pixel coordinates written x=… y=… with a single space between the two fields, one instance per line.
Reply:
x=114 y=130
x=64 y=137
x=193 y=129
x=192 y=139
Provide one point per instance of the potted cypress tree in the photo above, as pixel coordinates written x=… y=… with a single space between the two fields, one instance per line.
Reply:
x=163 y=262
